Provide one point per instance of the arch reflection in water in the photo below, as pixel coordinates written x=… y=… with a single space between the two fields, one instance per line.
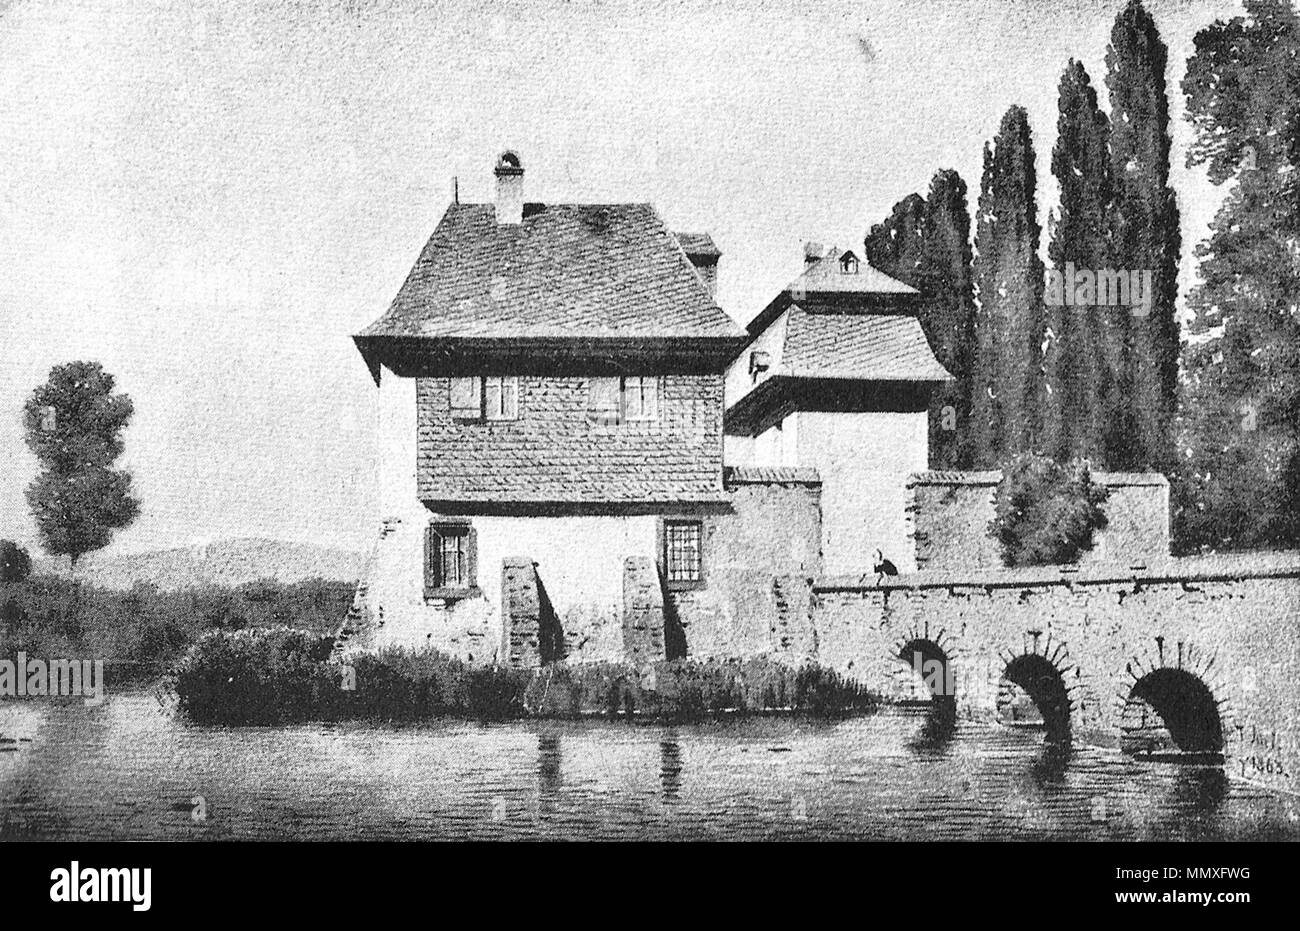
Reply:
x=1053 y=760
x=550 y=777
x=1200 y=789
x=670 y=765
x=933 y=683
x=939 y=727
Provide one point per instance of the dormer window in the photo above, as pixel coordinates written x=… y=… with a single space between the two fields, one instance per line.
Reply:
x=848 y=264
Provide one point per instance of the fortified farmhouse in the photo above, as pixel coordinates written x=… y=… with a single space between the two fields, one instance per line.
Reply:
x=582 y=458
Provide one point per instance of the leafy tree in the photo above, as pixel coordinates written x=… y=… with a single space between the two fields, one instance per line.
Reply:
x=895 y=245
x=925 y=243
x=1008 y=272
x=1240 y=420
x=1046 y=513
x=1084 y=358
x=1145 y=236
x=15 y=563
x=74 y=423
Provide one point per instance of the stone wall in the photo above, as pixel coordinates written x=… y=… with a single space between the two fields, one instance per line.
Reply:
x=643 y=611
x=771 y=531
x=553 y=453
x=1230 y=624
x=521 y=614
x=761 y=551
x=949 y=514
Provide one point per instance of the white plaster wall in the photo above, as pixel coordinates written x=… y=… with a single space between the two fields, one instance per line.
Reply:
x=739 y=450
x=580 y=563
x=395 y=446
x=739 y=382
x=864 y=460
x=579 y=559
x=778 y=445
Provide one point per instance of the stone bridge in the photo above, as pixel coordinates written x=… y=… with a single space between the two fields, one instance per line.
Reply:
x=1201 y=655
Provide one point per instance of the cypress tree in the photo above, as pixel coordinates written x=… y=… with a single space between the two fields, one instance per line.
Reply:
x=1146 y=231
x=1084 y=356
x=1009 y=289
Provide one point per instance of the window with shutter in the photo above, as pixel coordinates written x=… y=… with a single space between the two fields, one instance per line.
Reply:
x=450 y=560
x=620 y=400
x=641 y=397
x=604 y=403
x=501 y=397
x=467 y=398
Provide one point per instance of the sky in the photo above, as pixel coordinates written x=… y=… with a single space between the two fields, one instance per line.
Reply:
x=209 y=198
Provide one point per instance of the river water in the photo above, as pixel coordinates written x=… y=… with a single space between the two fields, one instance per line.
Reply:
x=129 y=770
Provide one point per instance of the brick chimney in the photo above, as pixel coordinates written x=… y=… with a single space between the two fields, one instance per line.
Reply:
x=510 y=189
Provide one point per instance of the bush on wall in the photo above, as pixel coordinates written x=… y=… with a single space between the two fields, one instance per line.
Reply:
x=1046 y=513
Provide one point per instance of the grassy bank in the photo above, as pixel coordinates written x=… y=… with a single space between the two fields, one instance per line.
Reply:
x=283 y=675
x=142 y=632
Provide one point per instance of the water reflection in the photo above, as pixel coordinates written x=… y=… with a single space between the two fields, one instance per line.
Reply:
x=938 y=729
x=121 y=772
x=1048 y=768
x=550 y=779
x=1200 y=791
x=670 y=764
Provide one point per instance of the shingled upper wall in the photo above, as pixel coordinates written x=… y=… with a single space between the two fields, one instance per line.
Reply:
x=552 y=452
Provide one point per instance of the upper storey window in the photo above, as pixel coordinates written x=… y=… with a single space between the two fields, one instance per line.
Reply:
x=629 y=399
x=641 y=397
x=495 y=397
x=848 y=264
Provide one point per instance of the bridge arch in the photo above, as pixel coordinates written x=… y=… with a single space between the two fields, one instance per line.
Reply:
x=930 y=657
x=1171 y=708
x=1041 y=671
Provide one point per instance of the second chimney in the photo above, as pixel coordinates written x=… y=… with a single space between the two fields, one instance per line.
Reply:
x=510 y=189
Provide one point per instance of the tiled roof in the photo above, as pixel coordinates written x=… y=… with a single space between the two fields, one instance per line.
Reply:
x=1130 y=478
x=567 y=271
x=826 y=277
x=865 y=347
x=954 y=477
x=770 y=475
x=823 y=283
x=698 y=245
x=993 y=476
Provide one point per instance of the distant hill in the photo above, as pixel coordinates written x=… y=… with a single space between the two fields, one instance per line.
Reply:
x=226 y=562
